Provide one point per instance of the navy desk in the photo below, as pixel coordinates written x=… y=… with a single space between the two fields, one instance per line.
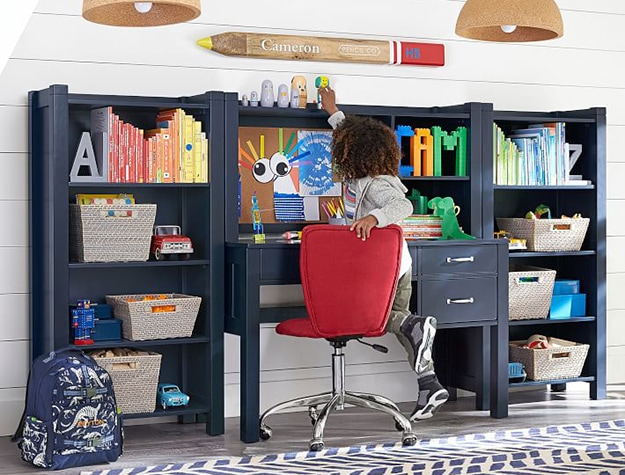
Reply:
x=464 y=284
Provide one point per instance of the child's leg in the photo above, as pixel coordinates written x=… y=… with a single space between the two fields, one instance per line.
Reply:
x=416 y=335
x=432 y=395
x=401 y=303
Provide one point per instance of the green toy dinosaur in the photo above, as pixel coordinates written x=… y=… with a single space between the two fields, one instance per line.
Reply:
x=446 y=209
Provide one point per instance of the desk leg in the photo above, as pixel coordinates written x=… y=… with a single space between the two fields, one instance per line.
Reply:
x=482 y=390
x=250 y=351
x=499 y=371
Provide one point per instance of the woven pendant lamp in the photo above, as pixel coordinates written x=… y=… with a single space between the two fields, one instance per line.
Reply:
x=129 y=13
x=510 y=20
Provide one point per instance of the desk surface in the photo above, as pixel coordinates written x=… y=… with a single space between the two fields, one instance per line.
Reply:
x=276 y=240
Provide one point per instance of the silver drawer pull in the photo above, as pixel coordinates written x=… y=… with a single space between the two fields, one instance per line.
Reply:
x=460 y=259
x=459 y=301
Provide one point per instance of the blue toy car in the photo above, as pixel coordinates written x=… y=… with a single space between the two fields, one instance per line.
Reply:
x=169 y=395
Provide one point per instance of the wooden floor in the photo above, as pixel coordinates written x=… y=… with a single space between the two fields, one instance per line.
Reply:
x=162 y=443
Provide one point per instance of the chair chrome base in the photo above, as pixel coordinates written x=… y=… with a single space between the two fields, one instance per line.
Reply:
x=336 y=400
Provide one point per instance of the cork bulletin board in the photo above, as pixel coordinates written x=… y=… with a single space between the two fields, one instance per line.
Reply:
x=290 y=172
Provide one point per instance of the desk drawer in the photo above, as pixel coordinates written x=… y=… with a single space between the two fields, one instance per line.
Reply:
x=459 y=300
x=280 y=265
x=459 y=260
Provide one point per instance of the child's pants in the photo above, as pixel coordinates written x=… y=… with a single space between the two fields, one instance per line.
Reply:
x=401 y=304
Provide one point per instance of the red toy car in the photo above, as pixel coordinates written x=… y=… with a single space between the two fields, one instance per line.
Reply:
x=168 y=240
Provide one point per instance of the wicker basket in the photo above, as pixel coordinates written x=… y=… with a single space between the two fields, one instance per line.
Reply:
x=155 y=318
x=547 y=235
x=530 y=290
x=135 y=377
x=111 y=233
x=563 y=361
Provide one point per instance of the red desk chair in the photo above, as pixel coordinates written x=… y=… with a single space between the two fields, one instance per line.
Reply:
x=349 y=286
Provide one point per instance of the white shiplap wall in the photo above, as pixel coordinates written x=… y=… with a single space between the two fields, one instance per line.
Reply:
x=583 y=69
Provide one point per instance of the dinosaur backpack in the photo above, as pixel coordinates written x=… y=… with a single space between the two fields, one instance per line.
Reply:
x=71 y=416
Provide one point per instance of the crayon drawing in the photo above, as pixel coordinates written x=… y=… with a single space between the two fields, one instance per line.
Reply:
x=315 y=164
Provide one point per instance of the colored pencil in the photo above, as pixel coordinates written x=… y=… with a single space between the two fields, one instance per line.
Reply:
x=312 y=48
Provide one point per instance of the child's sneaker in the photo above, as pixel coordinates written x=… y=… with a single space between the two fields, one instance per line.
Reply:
x=417 y=335
x=432 y=395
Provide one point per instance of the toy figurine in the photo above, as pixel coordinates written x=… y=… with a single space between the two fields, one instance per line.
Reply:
x=299 y=83
x=321 y=82
x=294 y=102
x=445 y=208
x=254 y=99
x=539 y=212
x=244 y=101
x=283 y=96
x=267 y=97
x=83 y=322
x=259 y=232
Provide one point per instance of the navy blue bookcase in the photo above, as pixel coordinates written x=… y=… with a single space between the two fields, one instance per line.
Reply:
x=57 y=118
x=588 y=265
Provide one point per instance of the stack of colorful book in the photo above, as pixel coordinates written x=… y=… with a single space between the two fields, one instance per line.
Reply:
x=421 y=226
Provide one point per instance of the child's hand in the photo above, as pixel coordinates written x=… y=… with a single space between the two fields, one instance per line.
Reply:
x=328 y=99
x=364 y=226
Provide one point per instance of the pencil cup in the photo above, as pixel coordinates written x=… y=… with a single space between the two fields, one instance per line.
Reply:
x=339 y=221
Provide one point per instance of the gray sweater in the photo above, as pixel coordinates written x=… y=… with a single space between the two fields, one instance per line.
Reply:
x=383 y=196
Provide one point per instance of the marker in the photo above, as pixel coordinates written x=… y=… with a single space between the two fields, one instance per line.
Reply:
x=292 y=235
x=312 y=48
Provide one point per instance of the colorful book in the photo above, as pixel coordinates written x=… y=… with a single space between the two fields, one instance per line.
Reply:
x=102 y=123
x=187 y=150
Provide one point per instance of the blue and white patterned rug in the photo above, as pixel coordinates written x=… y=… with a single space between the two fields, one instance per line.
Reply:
x=591 y=448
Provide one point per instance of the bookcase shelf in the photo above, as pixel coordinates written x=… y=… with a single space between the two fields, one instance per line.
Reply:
x=57 y=120
x=585 y=127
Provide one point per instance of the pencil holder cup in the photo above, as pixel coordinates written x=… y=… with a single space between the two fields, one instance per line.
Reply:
x=339 y=221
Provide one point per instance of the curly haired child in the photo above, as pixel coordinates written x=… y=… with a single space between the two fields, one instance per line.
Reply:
x=366 y=157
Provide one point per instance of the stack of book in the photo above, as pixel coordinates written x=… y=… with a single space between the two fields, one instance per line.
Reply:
x=174 y=152
x=421 y=226
x=537 y=155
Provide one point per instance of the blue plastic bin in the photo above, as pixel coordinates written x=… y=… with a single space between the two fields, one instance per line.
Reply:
x=516 y=372
x=567 y=306
x=565 y=287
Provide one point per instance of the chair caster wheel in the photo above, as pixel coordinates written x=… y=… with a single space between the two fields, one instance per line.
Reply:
x=409 y=440
x=265 y=432
x=316 y=445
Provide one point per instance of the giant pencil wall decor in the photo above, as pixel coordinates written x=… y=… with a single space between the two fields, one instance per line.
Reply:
x=312 y=48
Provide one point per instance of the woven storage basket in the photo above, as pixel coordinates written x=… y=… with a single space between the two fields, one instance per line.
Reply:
x=111 y=233
x=135 y=378
x=156 y=319
x=529 y=292
x=548 y=235
x=563 y=361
